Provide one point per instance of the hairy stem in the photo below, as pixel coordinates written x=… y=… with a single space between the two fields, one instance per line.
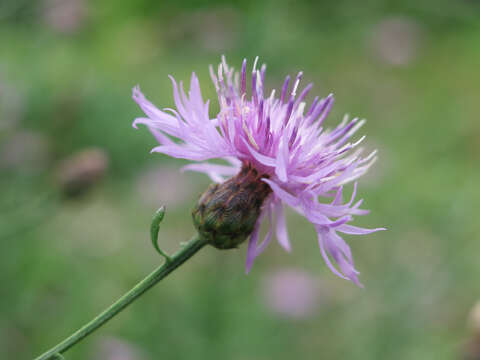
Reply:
x=187 y=251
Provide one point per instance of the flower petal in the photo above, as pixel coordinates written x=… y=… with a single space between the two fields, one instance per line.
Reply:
x=268 y=236
x=281 y=226
x=290 y=199
x=322 y=243
x=252 y=243
x=355 y=230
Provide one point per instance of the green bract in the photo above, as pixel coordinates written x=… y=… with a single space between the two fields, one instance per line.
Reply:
x=226 y=214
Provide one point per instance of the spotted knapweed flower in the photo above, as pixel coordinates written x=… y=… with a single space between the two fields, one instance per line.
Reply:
x=277 y=153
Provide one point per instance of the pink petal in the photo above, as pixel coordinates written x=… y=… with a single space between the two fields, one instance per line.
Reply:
x=355 y=230
x=281 y=226
x=252 y=243
x=262 y=159
x=207 y=167
x=321 y=242
x=268 y=236
x=252 y=247
x=184 y=153
x=161 y=137
x=282 y=160
x=282 y=194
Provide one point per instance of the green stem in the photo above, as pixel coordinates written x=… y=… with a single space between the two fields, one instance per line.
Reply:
x=187 y=251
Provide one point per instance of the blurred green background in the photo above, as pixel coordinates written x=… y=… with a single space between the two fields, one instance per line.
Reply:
x=66 y=252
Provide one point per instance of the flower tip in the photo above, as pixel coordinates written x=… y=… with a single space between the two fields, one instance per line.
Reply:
x=135 y=124
x=355 y=280
x=155 y=149
x=172 y=79
x=255 y=62
x=136 y=92
x=330 y=98
x=286 y=246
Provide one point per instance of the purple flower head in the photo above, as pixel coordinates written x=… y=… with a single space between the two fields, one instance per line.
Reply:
x=278 y=136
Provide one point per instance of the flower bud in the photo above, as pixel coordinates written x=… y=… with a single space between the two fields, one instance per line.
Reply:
x=225 y=214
